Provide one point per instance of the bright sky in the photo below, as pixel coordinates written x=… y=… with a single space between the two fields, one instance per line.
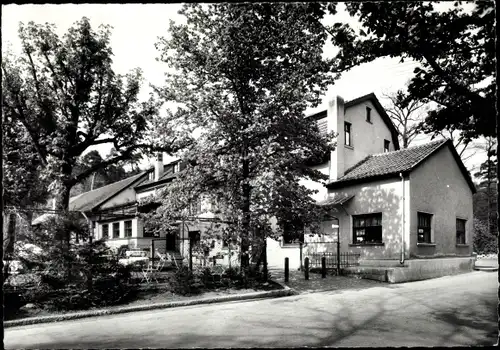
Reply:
x=136 y=28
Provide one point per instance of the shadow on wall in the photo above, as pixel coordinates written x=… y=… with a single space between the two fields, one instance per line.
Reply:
x=384 y=198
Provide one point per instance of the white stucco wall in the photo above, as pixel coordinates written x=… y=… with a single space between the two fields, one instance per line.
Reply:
x=382 y=196
x=366 y=138
x=439 y=188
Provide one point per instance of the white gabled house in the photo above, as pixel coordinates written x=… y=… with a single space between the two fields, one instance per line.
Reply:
x=407 y=213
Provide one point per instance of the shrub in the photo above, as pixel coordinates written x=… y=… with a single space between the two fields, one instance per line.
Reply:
x=186 y=282
x=484 y=242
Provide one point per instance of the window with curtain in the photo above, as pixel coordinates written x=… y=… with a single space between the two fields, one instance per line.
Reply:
x=424 y=228
x=367 y=228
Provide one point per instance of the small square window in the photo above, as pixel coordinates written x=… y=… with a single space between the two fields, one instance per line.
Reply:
x=368 y=114
x=461 y=231
x=367 y=228
x=424 y=228
x=387 y=144
x=347 y=134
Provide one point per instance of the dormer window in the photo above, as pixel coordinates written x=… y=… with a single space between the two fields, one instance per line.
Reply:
x=176 y=167
x=151 y=175
x=347 y=134
x=368 y=114
x=387 y=143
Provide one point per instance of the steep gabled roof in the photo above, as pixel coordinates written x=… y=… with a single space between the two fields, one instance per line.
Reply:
x=389 y=164
x=89 y=200
x=381 y=110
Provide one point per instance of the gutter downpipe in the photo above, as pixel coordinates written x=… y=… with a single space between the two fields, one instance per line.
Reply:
x=402 y=222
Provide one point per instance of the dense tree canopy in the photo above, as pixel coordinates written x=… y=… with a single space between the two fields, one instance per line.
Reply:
x=245 y=73
x=456 y=49
x=67 y=98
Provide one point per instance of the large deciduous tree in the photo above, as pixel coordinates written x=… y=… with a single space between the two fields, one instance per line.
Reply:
x=244 y=75
x=406 y=114
x=455 y=47
x=64 y=93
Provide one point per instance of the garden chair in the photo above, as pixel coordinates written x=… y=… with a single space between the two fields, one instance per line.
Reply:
x=163 y=259
x=150 y=272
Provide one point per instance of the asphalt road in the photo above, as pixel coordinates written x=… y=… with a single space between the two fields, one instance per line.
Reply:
x=448 y=311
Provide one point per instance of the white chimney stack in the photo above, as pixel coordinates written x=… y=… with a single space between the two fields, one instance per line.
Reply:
x=336 y=124
x=159 y=166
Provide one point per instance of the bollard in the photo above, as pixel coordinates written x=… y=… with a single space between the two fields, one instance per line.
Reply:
x=152 y=252
x=286 y=270
x=323 y=267
x=306 y=268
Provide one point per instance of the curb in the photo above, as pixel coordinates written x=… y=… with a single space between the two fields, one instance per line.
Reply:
x=72 y=316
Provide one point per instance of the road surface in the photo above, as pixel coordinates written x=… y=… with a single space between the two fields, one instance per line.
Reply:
x=448 y=311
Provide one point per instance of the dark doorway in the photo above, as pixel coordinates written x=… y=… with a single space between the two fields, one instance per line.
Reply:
x=171 y=241
x=194 y=238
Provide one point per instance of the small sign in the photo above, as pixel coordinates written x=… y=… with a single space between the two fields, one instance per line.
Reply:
x=335 y=226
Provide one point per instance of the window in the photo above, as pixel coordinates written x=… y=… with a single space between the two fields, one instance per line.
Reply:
x=151 y=175
x=424 y=228
x=461 y=231
x=128 y=228
x=195 y=206
x=368 y=114
x=387 y=143
x=367 y=228
x=347 y=133
x=323 y=126
x=293 y=231
x=105 y=231
x=116 y=230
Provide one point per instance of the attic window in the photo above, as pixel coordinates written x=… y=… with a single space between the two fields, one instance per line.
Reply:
x=151 y=175
x=176 y=167
x=347 y=134
x=368 y=114
x=387 y=143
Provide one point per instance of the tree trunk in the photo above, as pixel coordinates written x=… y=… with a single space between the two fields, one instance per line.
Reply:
x=244 y=260
x=498 y=238
x=11 y=236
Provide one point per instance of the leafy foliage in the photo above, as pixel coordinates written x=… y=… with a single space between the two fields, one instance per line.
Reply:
x=456 y=50
x=67 y=98
x=84 y=276
x=485 y=241
x=244 y=74
x=100 y=177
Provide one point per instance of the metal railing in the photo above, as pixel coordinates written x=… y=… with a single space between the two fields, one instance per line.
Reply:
x=346 y=259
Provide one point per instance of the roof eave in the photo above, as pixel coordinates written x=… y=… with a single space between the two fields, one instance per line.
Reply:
x=349 y=182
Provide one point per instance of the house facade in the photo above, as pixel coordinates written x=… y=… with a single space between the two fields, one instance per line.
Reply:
x=407 y=213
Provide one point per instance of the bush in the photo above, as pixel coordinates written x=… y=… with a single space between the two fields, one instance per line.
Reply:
x=484 y=242
x=186 y=282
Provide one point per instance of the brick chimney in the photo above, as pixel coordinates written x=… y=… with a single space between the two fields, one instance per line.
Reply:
x=158 y=166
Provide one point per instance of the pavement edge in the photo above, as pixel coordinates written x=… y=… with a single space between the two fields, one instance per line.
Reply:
x=286 y=291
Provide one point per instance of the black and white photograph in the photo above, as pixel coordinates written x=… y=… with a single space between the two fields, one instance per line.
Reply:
x=250 y=175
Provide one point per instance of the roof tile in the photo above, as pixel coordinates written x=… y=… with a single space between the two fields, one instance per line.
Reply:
x=88 y=200
x=390 y=162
